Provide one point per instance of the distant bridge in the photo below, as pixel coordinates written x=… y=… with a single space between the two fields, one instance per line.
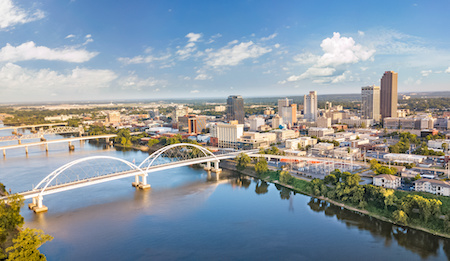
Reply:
x=40 y=134
x=172 y=156
x=33 y=127
x=68 y=140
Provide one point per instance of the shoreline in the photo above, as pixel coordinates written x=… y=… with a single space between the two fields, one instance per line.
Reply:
x=230 y=165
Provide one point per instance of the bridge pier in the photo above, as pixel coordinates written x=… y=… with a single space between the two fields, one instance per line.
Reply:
x=216 y=168
x=20 y=142
x=71 y=147
x=4 y=153
x=26 y=150
x=208 y=166
x=37 y=205
x=141 y=184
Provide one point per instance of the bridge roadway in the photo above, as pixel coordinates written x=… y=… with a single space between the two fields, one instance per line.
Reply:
x=33 y=126
x=120 y=175
x=26 y=145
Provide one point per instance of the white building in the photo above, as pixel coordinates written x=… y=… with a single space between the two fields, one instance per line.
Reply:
x=227 y=134
x=404 y=158
x=433 y=186
x=320 y=132
x=310 y=106
x=370 y=105
x=387 y=181
x=255 y=123
x=294 y=144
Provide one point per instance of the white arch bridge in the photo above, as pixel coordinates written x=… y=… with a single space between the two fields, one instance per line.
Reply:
x=99 y=169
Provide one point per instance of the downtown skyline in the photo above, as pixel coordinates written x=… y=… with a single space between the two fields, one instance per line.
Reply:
x=81 y=50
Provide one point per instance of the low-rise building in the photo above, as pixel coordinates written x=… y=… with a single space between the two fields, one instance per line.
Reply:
x=253 y=140
x=285 y=134
x=301 y=142
x=387 y=181
x=433 y=186
x=320 y=132
x=404 y=158
x=322 y=148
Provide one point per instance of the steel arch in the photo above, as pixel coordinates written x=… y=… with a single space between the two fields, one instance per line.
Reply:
x=59 y=170
x=158 y=153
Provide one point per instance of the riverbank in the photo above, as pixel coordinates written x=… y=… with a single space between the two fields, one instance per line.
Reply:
x=231 y=165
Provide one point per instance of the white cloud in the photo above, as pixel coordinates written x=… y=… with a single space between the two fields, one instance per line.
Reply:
x=342 y=50
x=277 y=45
x=337 y=52
x=143 y=59
x=361 y=33
x=233 y=55
x=269 y=37
x=134 y=82
x=425 y=73
x=69 y=36
x=190 y=47
x=14 y=77
x=202 y=77
x=312 y=72
x=193 y=37
x=195 y=91
x=448 y=70
x=11 y=15
x=29 y=51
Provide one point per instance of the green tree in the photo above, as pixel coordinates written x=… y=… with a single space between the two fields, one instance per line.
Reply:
x=10 y=217
x=330 y=179
x=286 y=178
x=400 y=217
x=242 y=161
x=152 y=142
x=26 y=245
x=261 y=166
x=417 y=177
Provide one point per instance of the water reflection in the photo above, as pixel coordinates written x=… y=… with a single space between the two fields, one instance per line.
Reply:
x=424 y=244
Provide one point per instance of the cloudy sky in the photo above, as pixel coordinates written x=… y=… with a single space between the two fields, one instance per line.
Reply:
x=59 y=50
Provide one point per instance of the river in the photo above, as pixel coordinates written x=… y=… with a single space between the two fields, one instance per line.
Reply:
x=189 y=215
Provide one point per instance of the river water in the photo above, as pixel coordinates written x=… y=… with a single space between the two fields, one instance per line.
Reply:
x=189 y=215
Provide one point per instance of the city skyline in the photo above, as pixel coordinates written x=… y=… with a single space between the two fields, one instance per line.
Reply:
x=75 y=50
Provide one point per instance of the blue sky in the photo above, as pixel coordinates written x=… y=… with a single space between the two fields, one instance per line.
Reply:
x=56 y=50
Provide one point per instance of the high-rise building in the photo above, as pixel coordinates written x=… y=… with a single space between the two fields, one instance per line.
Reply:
x=370 y=106
x=192 y=123
x=235 y=108
x=282 y=103
x=289 y=114
x=388 y=94
x=310 y=106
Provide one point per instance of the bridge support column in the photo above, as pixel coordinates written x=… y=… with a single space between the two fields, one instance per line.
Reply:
x=4 y=153
x=37 y=205
x=26 y=150
x=46 y=147
x=216 y=168
x=71 y=147
x=20 y=142
x=208 y=166
x=136 y=182
x=143 y=184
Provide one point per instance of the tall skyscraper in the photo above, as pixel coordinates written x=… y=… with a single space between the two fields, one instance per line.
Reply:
x=287 y=111
x=289 y=114
x=388 y=94
x=282 y=103
x=370 y=106
x=235 y=108
x=310 y=106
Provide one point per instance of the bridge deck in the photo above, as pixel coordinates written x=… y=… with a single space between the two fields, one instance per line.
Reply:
x=119 y=175
x=57 y=141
